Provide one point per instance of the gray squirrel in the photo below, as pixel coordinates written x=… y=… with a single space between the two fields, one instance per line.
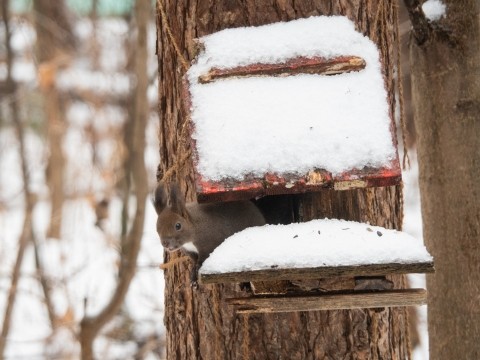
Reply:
x=198 y=229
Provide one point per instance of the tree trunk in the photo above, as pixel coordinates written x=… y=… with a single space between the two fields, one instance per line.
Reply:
x=54 y=38
x=199 y=323
x=446 y=98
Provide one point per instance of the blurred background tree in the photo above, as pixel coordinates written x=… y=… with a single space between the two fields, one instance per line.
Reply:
x=78 y=251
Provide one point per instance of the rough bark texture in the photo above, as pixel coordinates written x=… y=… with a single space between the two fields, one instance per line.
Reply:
x=199 y=323
x=446 y=95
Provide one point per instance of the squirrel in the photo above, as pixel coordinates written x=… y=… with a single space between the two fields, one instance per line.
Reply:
x=198 y=229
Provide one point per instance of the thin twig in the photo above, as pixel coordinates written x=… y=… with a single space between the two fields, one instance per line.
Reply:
x=172 y=262
x=43 y=282
x=174 y=168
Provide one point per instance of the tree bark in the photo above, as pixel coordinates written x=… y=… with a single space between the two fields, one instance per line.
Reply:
x=446 y=99
x=200 y=325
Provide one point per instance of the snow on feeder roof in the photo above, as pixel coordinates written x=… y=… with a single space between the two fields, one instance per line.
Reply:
x=314 y=249
x=266 y=118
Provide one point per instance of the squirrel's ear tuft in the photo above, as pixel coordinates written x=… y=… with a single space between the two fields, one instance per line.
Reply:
x=160 y=200
x=177 y=202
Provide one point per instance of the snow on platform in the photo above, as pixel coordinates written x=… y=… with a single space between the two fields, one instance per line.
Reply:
x=250 y=126
x=315 y=244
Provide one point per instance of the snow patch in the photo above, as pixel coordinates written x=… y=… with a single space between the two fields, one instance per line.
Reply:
x=434 y=9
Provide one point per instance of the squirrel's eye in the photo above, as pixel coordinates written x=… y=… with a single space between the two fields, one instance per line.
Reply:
x=178 y=226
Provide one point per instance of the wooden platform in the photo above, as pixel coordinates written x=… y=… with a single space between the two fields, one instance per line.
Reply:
x=276 y=274
x=353 y=300
x=280 y=281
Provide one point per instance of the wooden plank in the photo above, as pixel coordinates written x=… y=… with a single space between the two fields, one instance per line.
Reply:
x=300 y=65
x=277 y=274
x=356 y=300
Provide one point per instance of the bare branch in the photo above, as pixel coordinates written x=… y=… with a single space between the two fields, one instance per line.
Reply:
x=43 y=282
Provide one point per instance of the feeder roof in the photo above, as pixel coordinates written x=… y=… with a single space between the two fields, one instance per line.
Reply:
x=244 y=127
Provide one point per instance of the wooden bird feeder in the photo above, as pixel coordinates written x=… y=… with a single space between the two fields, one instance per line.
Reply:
x=333 y=101
x=344 y=265
x=292 y=108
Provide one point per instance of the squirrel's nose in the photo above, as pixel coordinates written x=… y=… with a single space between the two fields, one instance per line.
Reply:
x=168 y=244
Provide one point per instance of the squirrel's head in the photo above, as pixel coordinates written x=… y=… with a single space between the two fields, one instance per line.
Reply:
x=173 y=224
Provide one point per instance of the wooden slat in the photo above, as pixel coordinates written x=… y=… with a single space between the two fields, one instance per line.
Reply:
x=300 y=65
x=357 y=300
x=276 y=274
